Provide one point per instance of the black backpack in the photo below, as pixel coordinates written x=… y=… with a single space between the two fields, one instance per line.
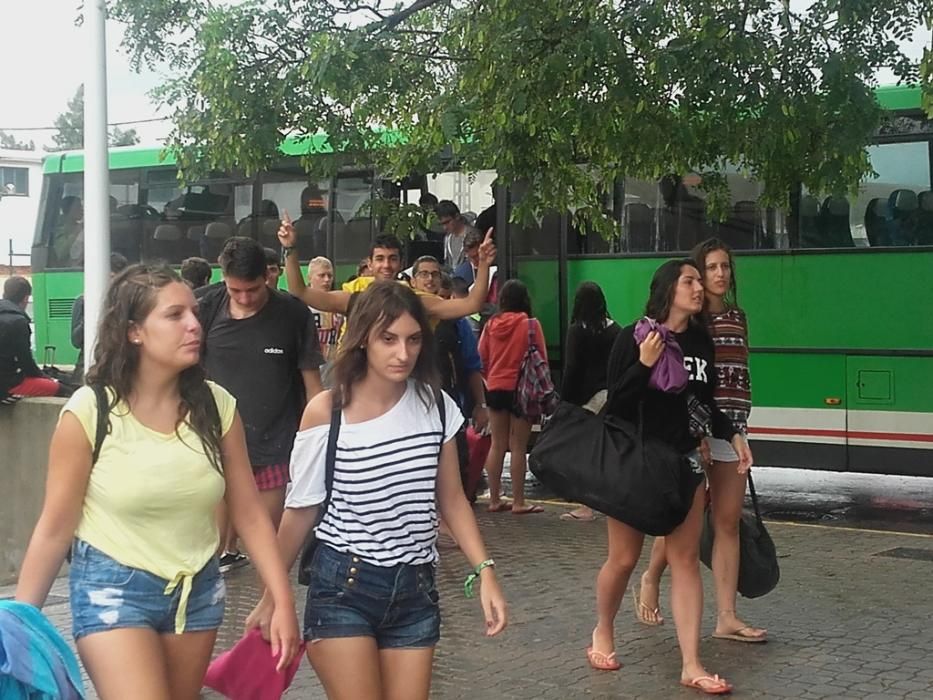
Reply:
x=449 y=355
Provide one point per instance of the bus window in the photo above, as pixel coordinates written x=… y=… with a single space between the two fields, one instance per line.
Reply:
x=128 y=218
x=306 y=203
x=196 y=221
x=887 y=210
x=671 y=215
x=354 y=230
x=65 y=221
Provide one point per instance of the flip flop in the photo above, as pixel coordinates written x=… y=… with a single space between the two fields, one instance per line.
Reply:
x=743 y=635
x=501 y=508
x=714 y=685
x=572 y=516
x=601 y=661
x=642 y=611
x=527 y=510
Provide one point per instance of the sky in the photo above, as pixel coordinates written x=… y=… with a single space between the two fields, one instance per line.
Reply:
x=40 y=38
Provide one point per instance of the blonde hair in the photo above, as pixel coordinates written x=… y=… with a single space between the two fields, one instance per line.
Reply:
x=320 y=261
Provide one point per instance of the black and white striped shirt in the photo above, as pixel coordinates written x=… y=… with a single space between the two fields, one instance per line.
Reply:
x=383 y=507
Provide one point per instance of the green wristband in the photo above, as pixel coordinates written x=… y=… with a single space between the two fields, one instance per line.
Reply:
x=471 y=579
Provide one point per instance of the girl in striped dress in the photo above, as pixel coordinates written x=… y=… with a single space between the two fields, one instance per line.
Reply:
x=728 y=327
x=371 y=617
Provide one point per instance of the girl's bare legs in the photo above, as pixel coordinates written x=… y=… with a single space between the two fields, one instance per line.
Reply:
x=499 y=423
x=649 y=589
x=520 y=430
x=348 y=667
x=727 y=494
x=683 y=546
x=624 y=549
x=406 y=673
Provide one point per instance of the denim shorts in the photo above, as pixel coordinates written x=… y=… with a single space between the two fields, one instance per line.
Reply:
x=347 y=597
x=106 y=595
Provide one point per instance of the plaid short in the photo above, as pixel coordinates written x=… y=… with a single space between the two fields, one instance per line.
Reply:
x=271 y=476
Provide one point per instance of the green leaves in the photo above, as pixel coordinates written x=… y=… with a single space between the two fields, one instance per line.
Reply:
x=635 y=88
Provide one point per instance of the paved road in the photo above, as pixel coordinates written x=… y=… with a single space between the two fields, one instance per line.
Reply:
x=845 y=622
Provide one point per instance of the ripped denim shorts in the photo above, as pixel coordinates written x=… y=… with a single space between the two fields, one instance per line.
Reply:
x=106 y=595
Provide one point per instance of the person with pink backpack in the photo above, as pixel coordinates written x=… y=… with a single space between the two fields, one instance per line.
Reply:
x=512 y=345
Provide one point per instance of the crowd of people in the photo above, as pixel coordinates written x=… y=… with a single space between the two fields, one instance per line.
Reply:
x=344 y=413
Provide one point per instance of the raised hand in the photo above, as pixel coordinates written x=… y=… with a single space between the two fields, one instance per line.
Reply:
x=286 y=232
x=487 y=249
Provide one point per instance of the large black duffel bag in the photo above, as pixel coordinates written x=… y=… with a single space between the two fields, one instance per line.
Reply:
x=606 y=463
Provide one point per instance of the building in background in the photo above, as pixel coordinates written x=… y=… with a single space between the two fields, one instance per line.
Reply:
x=20 y=187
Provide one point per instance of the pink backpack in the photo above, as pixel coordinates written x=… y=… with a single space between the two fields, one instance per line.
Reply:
x=535 y=393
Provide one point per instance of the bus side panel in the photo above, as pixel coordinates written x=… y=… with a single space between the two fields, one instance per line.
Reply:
x=799 y=410
x=540 y=276
x=54 y=294
x=838 y=300
x=624 y=282
x=890 y=419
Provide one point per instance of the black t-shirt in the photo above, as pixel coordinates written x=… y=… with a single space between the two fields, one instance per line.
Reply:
x=259 y=360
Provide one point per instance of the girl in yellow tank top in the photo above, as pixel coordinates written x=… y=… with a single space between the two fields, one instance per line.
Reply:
x=146 y=592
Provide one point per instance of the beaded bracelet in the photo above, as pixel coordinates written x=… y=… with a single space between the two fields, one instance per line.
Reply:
x=471 y=579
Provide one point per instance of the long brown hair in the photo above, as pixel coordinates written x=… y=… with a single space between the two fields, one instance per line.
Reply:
x=130 y=298
x=376 y=309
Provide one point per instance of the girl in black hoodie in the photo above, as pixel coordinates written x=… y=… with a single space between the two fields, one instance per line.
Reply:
x=681 y=419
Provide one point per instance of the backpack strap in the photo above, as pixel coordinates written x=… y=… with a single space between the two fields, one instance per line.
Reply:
x=442 y=412
x=103 y=420
x=330 y=458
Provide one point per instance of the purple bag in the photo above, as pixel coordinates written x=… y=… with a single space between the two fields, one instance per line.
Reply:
x=668 y=374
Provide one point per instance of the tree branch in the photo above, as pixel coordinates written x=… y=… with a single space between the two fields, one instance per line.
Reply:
x=394 y=20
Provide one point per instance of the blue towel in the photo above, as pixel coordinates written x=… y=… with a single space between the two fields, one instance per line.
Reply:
x=35 y=662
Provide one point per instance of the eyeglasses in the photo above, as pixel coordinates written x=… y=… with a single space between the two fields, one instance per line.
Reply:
x=428 y=274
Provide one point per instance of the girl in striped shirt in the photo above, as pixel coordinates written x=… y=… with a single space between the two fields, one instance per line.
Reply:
x=729 y=329
x=371 y=616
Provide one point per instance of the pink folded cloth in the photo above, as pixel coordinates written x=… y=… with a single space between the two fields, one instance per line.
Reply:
x=247 y=671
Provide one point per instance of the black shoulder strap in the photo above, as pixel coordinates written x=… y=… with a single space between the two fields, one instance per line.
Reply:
x=330 y=459
x=103 y=420
x=442 y=412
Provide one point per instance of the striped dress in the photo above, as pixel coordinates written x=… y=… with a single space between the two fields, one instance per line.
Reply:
x=733 y=392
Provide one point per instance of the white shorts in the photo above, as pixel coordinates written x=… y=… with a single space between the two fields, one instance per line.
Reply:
x=721 y=451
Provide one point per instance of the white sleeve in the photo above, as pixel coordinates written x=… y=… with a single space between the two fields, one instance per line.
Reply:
x=454 y=417
x=308 y=468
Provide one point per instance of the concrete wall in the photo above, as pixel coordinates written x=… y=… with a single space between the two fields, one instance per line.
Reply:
x=25 y=430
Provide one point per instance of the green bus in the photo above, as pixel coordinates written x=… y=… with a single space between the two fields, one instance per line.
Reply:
x=837 y=289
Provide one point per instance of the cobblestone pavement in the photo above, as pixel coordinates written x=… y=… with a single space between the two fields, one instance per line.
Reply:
x=844 y=622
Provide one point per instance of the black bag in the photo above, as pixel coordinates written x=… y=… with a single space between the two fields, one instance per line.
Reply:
x=608 y=464
x=759 y=572
x=307 y=553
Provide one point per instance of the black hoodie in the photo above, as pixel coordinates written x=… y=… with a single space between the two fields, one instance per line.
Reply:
x=16 y=361
x=666 y=416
